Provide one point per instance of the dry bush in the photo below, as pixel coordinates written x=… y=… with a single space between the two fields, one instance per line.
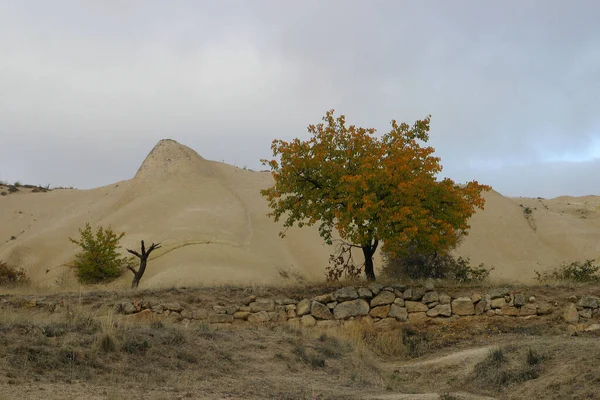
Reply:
x=11 y=276
x=575 y=272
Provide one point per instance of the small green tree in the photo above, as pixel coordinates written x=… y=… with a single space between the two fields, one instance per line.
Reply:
x=98 y=261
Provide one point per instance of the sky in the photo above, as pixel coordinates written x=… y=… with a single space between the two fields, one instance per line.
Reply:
x=87 y=88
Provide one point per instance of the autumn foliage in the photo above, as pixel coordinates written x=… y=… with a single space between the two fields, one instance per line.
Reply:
x=370 y=189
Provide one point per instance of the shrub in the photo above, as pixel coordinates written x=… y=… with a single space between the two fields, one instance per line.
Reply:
x=435 y=265
x=10 y=275
x=576 y=272
x=98 y=261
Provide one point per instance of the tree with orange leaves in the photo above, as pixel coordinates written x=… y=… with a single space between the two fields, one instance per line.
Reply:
x=370 y=190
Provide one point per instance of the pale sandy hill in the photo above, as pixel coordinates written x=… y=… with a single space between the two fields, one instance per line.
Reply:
x=211 y=220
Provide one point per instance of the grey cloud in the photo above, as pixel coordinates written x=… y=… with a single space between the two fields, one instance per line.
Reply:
x=508 y=84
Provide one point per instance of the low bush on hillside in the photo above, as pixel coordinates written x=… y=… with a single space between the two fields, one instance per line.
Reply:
x=98 y=261
x=436 y=266
x=11 y=276
x=575 y=272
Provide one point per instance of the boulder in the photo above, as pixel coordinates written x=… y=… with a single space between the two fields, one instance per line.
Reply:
x=291 y=313
x=262 y=305
x=415 y=306
x=375 y=288
x=332 y=305
x=399 y=302
x=142 y=316
x=383 y=298
x=308 y=320
x=200 y=314
x=407 y=294
x=463 y=306
x=481 y=306
x=519 y=300
x=510 y=311
x=442 y=310
x=320 y=311
x=173 y=306
x=570 y=313
x=586 y=313
x=249 y=299
x=346 y=293
x=259 y=317
x=125 y=307
x=303 y=307
x=364 y=293
x=475 y=297
x=432 y=305
x=324 y=298
x=498 y=303
x=398 y=312
x=241 y=315
x=351 y=308
x=589 y=302
x=544 y=308
x=380 y=311
x=328 y=324
x=417 y=294
x=528 y=309
x=430 y=297
x=444 y=299
x=429 y=285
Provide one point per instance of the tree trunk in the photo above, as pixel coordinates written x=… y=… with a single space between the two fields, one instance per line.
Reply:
x=368 y=252
x=143 y=256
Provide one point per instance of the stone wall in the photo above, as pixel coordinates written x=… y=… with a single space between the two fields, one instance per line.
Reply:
x=385 y=306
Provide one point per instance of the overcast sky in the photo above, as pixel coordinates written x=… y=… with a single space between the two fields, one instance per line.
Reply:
x=88 y=87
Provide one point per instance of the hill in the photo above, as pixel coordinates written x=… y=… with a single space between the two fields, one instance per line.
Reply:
x=211 y=220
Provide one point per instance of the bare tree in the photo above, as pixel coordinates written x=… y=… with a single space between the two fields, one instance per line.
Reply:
x=137 y=274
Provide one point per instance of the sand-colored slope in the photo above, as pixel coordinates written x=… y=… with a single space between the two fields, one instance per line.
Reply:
x=209 y=217
x=211 y=220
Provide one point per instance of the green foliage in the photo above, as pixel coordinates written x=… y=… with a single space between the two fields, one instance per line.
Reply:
x=575 y=272
x=369 y=189
x=11 y=276
x=437 y=266
x=98 y=261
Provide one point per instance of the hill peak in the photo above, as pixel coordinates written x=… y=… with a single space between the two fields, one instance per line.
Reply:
x=170 y=159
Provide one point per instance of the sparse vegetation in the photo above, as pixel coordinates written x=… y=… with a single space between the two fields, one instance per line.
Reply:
x=575 y=272
x=435 y=265
x=98 y=261
x=11 y=276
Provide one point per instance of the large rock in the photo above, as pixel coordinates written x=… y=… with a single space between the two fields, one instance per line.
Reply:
x=262 y=305
x=527 y=310
x=510 y=311
x=320 y=311
x=463 y=306
x=352 y=308
x=303 y=307
x=519 y=300
x=444 y=299
x=497 y=293
x=399 y=302
x=383 y=298
x=570 y=313
x=308 y=320
x=498 y=303
x=589 y=302
x=415 y=306
x=285 y=302
x=261 y=316
x=241 y=315
x=430 y=297
x=345 y=294
x=126 y=307
x=380 y=311
x=324 y=298
x=364 y=293
x=441 y=310
x=544 y=308
x=398 y=312
x=481 y=307
x=375 y=288
x=417 y=294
